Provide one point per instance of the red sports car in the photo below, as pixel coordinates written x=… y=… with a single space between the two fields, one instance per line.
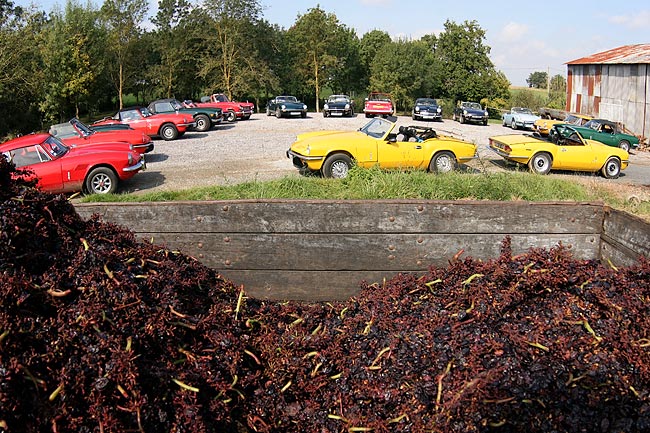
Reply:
x=76 y=133
x=232 y=110
x=378 y=104
x=94 y=169
x=168 y=126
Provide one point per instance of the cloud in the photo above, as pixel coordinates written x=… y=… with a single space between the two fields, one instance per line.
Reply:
x=635 y=21
x=513 y=31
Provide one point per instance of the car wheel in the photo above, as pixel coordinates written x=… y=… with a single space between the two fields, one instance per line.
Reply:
x=101 y=180
x=278 y=113
x=268 y=112
x=442 y=162
x=505 y=122
x=462 y=119
x=485 y=122
x=513 y=124
x=202 y=122
x=625 y=145
x=415 y=117
x=612 y=168
x=231 y=116
x=540 y=163
x=337 y=166
x=246 y=117
x=168 y=132
x=303 y=114
x=325 y=114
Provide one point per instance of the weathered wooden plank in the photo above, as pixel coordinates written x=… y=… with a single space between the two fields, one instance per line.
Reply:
x=356 y=252
x=326 y=216
x=318 y=286
x=625 y=237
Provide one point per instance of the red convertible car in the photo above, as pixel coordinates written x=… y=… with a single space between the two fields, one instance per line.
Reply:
x=378 y=104
x=232 y=110
x=59 y=168
x=168 y=126
x=77 y=133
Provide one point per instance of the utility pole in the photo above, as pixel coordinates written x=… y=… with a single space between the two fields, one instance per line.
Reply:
x=548 y=81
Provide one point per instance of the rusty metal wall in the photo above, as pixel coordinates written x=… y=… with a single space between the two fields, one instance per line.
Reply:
x=620 y=93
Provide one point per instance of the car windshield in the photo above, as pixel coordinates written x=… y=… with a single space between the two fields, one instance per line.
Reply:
x=338 y=98
x=63 y=131
x=379 y=97
x=427 y=101
x=472 y=105
x=286 y=99
x=593 y=124
x=522 y=110
x=220 y=97
x=377 y=127
x=55 y=146
x=176 y=104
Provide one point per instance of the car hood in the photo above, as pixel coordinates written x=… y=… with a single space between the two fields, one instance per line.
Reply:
x=474 y=111
x=299 y=105
x=94 y=147
x=321 y=140
x=526 y=117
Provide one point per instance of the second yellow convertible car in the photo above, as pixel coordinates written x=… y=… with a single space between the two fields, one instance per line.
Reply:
x=572 y=152
x=332 y=153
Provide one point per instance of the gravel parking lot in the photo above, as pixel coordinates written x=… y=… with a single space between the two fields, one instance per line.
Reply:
x=255 y=150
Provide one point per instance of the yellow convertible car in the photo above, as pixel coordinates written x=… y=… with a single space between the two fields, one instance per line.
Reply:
x=572 y=152
x=332 y=153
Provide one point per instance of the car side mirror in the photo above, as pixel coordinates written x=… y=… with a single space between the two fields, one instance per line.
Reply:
x=391 y=138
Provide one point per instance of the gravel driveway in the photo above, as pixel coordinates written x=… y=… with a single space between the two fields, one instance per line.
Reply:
x=255 y=150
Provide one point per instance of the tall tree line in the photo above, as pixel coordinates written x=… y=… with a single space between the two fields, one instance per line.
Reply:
x=83 y=60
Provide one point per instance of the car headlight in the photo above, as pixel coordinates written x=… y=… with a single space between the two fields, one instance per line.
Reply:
x=284 y=107
x=304 y=107
x=417 y=109
x=130 y=159
x=439 y=110
x=347 y=106
x=465 y=112
x=486 y=113
x=327 y=107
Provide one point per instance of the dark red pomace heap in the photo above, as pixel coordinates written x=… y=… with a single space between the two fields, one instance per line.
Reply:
x=100 y=332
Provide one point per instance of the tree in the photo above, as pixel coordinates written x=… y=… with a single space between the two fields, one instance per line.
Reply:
x=230 y=54
x=69 y=51
x=558 y=84
x=170 y=42
x=401 y=68
x=123 y=19
x=537 y=80
x=316 y=42
x=468 y=72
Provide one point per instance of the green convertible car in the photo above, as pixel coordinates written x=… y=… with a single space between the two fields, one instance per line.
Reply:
x=606 y=132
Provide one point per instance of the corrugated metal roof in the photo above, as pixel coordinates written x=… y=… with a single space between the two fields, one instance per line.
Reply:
x=630 y=54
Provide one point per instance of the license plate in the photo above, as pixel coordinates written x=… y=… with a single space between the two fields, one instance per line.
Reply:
x=336 y=114
x=295 y=113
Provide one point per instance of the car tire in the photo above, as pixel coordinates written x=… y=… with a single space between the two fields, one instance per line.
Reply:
x=442 y=162
x=625 y=145
x=278 y=113
x=202 y=122
x=505 y=122
x=101 y=180
x=231 y=116
x=168 y=132
x=540 y=163
x=246 y=117
x=513 y=124
x=268 y=112
x=612 y=168
x=462 y=119
x=303 y=114
x=325 y=113
x=485 y=122
x=337 y=166
x=415 y=117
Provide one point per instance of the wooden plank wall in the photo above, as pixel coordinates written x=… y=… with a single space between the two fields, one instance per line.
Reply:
x=321 y=250
x=624 y=238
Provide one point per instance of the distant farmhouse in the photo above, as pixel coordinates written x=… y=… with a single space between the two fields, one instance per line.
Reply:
x=613 y=85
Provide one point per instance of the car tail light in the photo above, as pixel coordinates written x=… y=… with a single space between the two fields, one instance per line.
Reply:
x=507 y=148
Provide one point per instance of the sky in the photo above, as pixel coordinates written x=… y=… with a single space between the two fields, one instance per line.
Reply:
x=524 y=36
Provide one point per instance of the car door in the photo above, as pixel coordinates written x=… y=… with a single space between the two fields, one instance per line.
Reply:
x=46 y=170
x=575 y=156
x=400 y=154
x=604 y=135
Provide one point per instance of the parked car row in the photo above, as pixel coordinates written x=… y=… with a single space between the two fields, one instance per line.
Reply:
x=333 y=153
x=94 y=158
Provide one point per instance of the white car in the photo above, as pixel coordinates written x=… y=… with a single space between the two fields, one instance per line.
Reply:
x=519 y=117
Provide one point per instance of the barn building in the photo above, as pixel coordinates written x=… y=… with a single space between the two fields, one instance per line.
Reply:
x=614 y=85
